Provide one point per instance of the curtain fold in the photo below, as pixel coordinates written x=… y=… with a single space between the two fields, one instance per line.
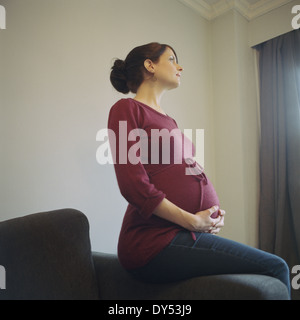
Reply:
x=279 y=210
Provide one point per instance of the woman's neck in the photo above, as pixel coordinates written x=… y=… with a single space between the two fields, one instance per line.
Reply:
x=150 y=96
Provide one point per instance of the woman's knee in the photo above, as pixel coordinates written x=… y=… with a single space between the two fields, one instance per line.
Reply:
x=280 y=265
x=280 y=270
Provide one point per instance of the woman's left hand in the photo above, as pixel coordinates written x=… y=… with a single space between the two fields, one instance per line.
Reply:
x=215 y=229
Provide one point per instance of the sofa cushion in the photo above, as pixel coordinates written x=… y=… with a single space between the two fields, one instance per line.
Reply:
x=116 y=284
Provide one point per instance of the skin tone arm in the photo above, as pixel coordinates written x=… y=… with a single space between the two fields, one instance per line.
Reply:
x=199 y=222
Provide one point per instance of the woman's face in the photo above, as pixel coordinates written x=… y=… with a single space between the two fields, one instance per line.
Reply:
x=167 y=71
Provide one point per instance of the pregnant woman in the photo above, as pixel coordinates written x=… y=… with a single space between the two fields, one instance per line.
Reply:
x=173 y=216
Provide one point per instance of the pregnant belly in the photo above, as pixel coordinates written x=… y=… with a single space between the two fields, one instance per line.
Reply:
x=188 y=192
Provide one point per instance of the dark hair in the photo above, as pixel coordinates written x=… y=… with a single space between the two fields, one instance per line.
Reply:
x=126 y=76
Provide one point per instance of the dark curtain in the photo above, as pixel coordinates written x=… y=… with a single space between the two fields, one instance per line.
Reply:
x=279 y=211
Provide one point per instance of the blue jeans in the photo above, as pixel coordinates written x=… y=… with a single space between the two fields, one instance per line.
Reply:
x=185 y=258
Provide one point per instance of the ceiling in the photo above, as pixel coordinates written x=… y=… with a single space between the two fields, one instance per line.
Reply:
x=250 y=9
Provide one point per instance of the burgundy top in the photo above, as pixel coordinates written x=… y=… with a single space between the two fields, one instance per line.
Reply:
x=144 y=185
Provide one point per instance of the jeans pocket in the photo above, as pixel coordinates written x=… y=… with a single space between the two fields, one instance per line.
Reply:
x=183 y=239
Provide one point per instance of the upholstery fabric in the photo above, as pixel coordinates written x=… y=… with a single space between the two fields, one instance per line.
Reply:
x=47 y=256
x=116 y=284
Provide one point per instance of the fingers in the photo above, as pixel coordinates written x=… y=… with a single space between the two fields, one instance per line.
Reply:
x=210 y=220
x=213 y=210
x=215 y=231
x=218 y=223
x=222 y=212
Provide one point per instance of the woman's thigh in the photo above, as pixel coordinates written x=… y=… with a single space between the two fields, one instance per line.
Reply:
x=185 y=258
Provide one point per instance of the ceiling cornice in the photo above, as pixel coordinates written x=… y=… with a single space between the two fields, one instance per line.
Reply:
x=247 y=9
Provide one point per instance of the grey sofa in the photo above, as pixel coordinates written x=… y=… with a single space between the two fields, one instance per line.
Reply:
x=48 y=256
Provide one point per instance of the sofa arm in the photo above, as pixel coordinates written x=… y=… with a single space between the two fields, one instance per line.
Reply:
x=116 y=284
x=47 y=256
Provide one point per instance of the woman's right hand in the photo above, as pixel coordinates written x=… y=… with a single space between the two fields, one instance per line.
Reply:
x=198 y=222
x=204 y=223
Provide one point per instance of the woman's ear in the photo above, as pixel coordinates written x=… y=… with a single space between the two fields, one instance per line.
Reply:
x=149 y=66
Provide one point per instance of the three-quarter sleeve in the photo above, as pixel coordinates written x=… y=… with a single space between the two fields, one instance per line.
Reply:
x=133 y=179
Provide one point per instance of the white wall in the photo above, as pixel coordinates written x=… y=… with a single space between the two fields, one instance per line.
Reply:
x=56 y=94
x=236 y=123
x=55 y=59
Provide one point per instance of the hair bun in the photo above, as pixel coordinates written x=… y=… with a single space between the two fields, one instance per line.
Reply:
x=118 y=76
